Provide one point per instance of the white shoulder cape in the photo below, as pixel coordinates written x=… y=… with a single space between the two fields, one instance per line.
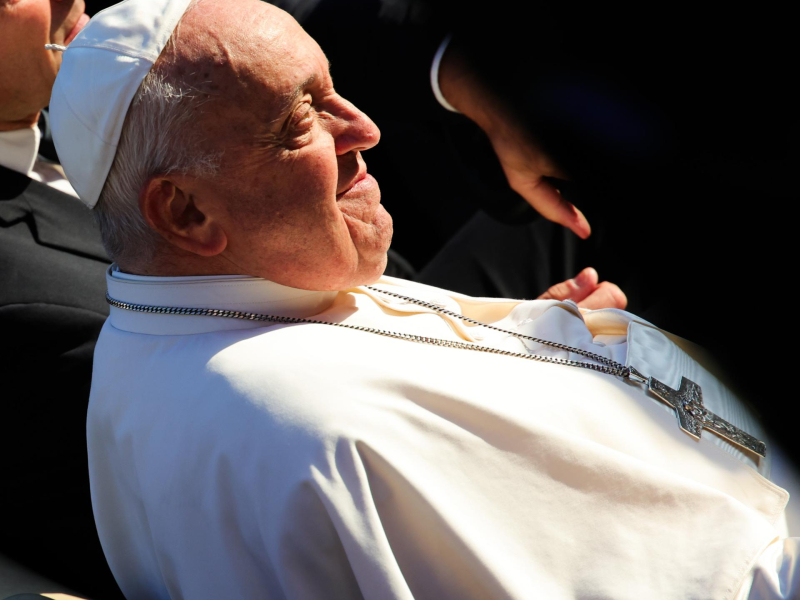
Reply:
x=235 y=460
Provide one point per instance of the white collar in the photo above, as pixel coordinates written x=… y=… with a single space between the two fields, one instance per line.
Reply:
x=227 y=292
x=19 y=149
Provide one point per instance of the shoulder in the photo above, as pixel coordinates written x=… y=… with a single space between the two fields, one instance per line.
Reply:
x=250 y=376
x=54 y=218
x=191 y=401
x=51 y=252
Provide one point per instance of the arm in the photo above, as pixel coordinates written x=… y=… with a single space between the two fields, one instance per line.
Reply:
x=525 y=165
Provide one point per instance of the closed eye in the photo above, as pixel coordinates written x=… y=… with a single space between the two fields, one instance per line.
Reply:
x=303 y=117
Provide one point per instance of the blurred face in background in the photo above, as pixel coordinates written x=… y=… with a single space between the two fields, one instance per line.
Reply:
x=27 y=70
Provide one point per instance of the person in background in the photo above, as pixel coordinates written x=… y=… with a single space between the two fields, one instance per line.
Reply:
x=52 y=267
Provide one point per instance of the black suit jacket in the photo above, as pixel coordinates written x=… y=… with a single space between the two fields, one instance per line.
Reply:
x=52 y=289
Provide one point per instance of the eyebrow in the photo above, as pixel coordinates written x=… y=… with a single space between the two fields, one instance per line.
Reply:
x=292 y=97
x=298 y=91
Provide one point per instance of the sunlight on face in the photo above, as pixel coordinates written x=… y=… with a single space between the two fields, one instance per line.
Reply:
x=301 y=209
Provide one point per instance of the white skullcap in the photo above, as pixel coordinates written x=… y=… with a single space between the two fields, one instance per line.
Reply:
x=100 y=73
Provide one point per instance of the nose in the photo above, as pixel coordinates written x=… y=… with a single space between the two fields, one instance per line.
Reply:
x=356 y=131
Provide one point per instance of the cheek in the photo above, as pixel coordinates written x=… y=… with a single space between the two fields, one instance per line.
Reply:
x=30 y=23
x=303 y=193
x=284 y=207
x=278 y=205
x=24 y=30
x=306 y=177
x=312 y=181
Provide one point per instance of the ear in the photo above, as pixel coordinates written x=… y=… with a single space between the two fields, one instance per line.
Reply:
x=181 y=218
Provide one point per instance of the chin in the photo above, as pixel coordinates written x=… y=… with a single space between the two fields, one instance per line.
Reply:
x=374 y=272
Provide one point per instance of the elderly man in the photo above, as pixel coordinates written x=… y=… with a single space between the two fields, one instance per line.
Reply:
x=272 y=419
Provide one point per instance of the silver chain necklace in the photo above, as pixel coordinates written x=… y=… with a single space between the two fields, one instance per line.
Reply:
x=687 y=400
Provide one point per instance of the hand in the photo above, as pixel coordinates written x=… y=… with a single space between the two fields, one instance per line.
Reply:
x=587 y=292
x=524 y=163
x=525 y=166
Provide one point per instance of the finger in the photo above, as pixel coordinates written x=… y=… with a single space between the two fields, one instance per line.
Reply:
x=549 y=203
x=607 y=295
x=576 y=289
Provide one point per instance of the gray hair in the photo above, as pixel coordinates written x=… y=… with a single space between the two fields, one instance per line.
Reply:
x=157 y=139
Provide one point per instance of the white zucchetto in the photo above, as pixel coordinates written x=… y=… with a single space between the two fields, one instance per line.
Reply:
x=100 y=73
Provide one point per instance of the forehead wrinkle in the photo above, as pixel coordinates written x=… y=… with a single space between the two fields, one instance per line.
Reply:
x=234 y=63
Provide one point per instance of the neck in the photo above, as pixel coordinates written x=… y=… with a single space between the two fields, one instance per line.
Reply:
x=24 y=123
x=170 y=265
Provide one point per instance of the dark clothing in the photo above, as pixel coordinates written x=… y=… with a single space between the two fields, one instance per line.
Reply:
x=52 y=289
x=490 y=259
x=678 y=133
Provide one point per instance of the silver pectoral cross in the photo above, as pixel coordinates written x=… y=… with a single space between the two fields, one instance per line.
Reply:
x=693 y=417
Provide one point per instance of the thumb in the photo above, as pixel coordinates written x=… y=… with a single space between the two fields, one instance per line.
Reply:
x=576 y=289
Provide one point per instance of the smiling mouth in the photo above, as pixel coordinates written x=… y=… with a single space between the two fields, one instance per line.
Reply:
x=364 y=187
x=358 y=179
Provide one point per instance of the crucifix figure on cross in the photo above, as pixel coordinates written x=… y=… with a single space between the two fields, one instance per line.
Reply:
x=693 y=417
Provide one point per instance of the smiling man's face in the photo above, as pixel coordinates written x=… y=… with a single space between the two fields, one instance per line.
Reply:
x=27 y=70
x=301 y=209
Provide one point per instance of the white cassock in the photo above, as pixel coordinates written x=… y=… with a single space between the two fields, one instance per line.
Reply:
x=230 y=460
